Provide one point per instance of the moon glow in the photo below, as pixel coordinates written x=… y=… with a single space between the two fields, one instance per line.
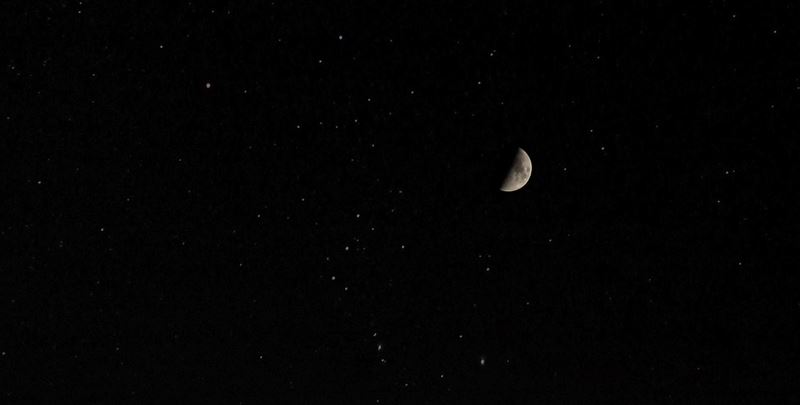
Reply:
x=519 y=173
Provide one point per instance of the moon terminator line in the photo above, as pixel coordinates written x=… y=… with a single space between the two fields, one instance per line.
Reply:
x=519 y=173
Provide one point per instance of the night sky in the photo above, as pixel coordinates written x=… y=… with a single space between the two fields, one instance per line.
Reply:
x=298 y=202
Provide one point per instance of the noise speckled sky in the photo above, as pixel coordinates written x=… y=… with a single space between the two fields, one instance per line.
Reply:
x=298 y=202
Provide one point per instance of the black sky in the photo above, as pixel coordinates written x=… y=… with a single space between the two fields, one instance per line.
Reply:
x=297 y=202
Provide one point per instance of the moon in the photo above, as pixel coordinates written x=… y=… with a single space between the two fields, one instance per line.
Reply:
x=519 y=173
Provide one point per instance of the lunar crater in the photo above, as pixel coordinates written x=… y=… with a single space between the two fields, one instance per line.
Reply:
x=519 y=173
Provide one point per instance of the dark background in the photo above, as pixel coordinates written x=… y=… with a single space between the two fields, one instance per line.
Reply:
x=297 y=202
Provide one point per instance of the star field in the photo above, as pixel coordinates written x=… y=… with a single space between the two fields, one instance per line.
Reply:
x=298 y=202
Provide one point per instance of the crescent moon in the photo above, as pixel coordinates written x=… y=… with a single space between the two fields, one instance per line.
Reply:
x=519 y=173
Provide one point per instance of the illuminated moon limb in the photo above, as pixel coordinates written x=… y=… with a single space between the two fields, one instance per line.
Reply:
x=519 y=173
